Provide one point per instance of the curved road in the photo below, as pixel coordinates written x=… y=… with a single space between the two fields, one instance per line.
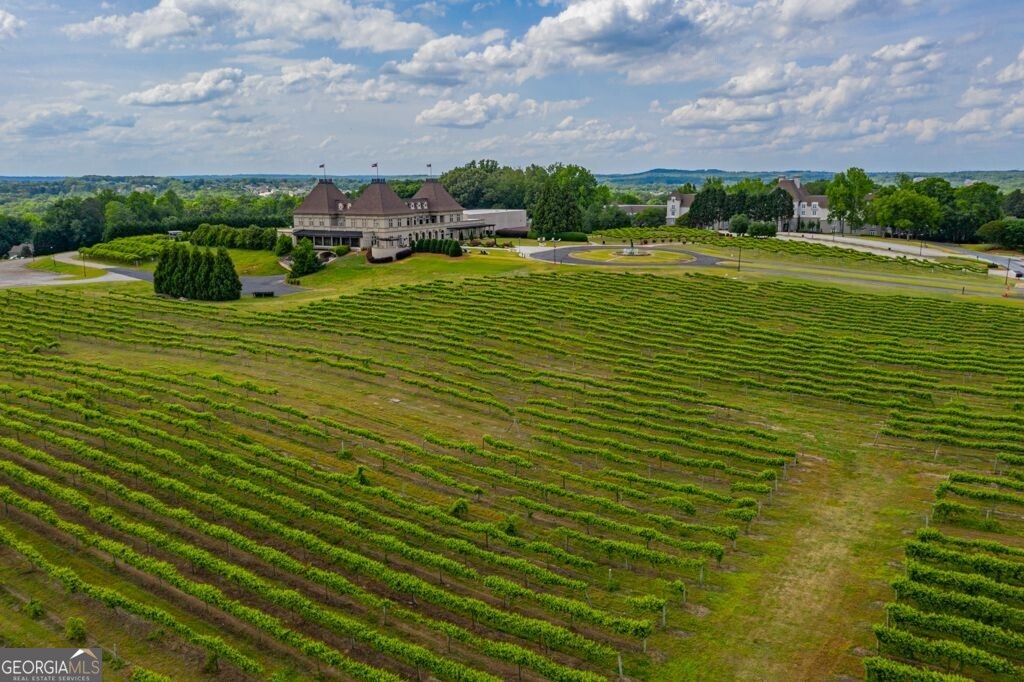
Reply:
x=564 y=255
x=16 y=273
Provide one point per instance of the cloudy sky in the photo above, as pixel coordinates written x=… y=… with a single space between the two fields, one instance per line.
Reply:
x=226 y=86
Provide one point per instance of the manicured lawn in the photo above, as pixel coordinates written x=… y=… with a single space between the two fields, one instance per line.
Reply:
x=47 y=264
x=649 y=256
x=352 y=273
x=255 y=263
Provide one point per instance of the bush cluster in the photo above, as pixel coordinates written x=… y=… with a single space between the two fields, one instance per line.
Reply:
x=304 y=260
x=449 y=247
x=252 y=237
x=562 y=236
x=189 y=272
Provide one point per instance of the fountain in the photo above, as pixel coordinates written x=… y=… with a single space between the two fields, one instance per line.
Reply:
x=633 y=251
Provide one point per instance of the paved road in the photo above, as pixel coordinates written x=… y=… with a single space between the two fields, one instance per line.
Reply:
x=890 y=247
x=564 y=255
x=1016 y=264
x=16 y=273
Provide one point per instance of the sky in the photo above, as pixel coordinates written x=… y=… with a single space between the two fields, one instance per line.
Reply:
x=164 y=87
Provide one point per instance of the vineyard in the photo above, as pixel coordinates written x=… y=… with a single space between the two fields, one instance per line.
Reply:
x=500 y=478
x=689 y=235
x=129 y=249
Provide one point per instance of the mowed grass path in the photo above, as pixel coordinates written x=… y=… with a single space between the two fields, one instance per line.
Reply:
x=613 y=438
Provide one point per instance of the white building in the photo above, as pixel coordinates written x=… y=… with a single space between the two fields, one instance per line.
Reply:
x=506 y=222
x=810 y=210
x=678 y=206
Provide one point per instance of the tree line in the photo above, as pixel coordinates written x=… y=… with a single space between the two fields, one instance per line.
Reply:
x=189 y=272
x=252 y=237
x=932 y=208
x=715 y=203
x=70 y=223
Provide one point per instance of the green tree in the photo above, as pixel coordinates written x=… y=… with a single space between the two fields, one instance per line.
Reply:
x=227 y=285
x=762 y=230
x=908 y=211
x=598 y=218
x=973 y=206
x=581 y=183
x=283 y=246
x=847 y=198
x=304 y=260
x=207 y=286
x=170 y=205
x=13 y=231
x=1013 y=204
x=557 y=210
x=650 y=217
x=739 y=224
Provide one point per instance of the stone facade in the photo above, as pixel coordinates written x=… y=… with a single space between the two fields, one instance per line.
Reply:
x=380 y=219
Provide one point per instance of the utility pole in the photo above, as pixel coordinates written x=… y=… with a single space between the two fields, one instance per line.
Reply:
x=739 y=262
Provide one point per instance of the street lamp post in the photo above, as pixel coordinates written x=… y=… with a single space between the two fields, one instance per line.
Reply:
x=1006 y=283
x=739 y=262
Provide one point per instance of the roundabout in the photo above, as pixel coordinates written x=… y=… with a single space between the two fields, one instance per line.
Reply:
x=619 y=256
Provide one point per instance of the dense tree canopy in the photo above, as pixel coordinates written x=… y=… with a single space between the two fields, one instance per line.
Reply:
x=202 y=274
x=73 y=222
x=848 y=194
x=13 y=231
x=714 y=203
x=907 y=211
x=486 y=184
x=557 y=209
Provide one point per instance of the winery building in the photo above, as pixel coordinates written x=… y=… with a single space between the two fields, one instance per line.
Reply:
x=379 y=219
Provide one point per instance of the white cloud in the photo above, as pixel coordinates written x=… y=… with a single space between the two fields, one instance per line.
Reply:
x=9 y=24
x=1013 y=72
x=323 y=71
x=175 y=21
x=976 y=96
x=477 y=110
x=200 y=88
x=589 y=136
x=819 y=12
x=151 y=27
x=719 y=112
x=55 y=120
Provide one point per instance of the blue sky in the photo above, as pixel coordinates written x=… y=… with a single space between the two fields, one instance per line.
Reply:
x=224 y=86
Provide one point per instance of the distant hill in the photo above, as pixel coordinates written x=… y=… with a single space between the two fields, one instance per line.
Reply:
x=665 y=178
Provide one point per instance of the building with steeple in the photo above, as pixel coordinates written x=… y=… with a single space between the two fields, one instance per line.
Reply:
x=380 y=219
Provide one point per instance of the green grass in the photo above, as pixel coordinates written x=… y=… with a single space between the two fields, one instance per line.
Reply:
x=352 y=273
x=47 y=264
x=255 y=263
x=247 y=262
x=431 y=346
x=615 y=256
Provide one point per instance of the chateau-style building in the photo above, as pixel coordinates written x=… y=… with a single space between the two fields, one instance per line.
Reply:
x=678 y=205
x=810 y=209
x=379 y=219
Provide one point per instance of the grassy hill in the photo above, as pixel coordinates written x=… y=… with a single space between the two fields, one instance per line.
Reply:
x=539 y=474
